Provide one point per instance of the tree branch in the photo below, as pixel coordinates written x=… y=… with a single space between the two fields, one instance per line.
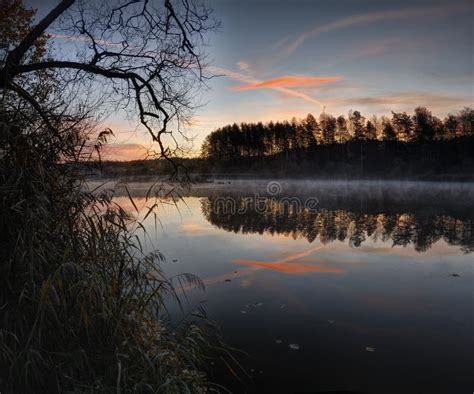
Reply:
x=15 y=56
x=27 y=97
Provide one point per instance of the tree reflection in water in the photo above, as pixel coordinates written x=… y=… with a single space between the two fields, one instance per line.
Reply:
x=403 y=226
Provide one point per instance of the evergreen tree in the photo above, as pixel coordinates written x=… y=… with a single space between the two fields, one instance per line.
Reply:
x=311 y=131
x=423 y=124
x=357 y=122
x=451 y=124
x=342 y=134
x=388 y=131
x=370 y=131
x=466 y=120
x=329 y=129
x=403 y=125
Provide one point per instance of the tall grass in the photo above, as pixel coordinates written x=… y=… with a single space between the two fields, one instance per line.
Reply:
x=82 y=308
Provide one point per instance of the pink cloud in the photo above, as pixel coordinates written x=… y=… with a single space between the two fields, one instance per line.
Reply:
x=292 y=263
x=124 y=152
x=244 y=66
x=287 y=81
x=236 y=76
x=194 y=229
x=289 y=268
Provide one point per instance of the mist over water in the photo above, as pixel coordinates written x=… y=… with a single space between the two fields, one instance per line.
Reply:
x=372 y=287
x=402 y=190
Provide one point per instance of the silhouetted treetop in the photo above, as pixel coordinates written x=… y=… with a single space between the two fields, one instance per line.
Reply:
x=302 y=136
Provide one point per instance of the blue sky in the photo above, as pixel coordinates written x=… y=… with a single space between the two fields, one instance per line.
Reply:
x=279 y=59
x=391 y=55
x=393 y=50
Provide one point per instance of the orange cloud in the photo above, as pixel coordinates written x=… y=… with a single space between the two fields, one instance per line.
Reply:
x=288 y=81
x=249 y=80
x=299 y=255
x=289 y=268
x=287 y=265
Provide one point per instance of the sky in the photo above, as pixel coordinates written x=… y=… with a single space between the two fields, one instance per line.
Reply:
x=281 y=59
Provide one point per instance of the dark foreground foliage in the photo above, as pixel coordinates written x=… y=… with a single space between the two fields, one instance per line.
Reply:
x=82 y=309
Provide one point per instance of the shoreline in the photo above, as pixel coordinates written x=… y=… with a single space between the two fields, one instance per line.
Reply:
x=426 y=193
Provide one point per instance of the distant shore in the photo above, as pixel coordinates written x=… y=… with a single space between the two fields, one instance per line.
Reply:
x=252 y=176
x=398 y=191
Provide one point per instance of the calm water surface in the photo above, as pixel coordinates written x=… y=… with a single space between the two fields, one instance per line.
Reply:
x=359 y=294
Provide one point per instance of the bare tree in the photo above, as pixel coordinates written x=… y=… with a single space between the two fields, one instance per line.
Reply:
x=149 y=55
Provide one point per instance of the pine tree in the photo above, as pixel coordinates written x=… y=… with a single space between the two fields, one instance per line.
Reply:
x=370 y=131
x=357 y=122
x=403 y=125
x=342 y=134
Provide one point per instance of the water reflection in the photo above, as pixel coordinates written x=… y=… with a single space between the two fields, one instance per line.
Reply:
x=293 y=263
x=331 y=282
x=402 y=227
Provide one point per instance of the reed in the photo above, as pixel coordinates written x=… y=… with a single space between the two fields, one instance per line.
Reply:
x=82 y=308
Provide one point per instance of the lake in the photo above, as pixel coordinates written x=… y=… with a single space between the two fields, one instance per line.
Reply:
x=367 y=288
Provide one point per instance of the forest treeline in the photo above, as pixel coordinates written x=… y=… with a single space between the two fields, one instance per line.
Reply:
x=403 y=145
x=417 y=146
x=258 y=139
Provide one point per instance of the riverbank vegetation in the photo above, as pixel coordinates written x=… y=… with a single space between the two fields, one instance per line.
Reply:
x=83 y=308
